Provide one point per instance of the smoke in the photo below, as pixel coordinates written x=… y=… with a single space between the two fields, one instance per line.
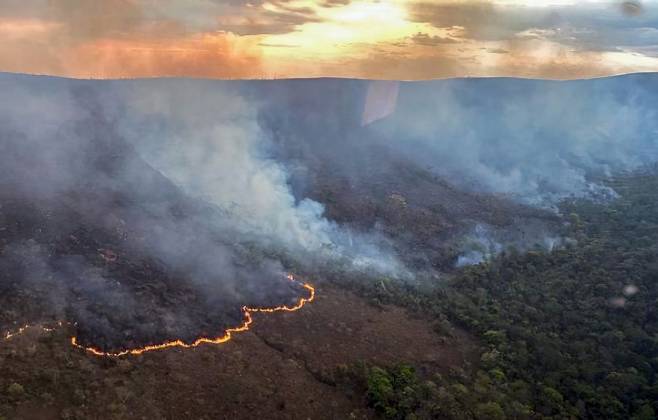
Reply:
x=479 y=246
x=485 y=242
x=157 y=201
x=535 y=141
x=206 y=138
x=92 y=231
x=180 y=173
x=190 y=183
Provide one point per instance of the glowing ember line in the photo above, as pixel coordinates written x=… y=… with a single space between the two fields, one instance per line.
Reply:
x=228 y=334
x=11 y=334
x=203 y=340
x=169 y=344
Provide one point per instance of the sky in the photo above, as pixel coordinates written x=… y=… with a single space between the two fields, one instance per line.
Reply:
x=374 y=39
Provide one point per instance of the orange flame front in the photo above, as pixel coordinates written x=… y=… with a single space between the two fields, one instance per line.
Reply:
x=228 y=334
x=203 y=340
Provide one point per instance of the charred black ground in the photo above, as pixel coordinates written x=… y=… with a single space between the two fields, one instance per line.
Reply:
x=82 y=253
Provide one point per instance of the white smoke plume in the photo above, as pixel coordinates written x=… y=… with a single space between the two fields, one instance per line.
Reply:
x=205 y=137
x=486 y=242
x=536 y=141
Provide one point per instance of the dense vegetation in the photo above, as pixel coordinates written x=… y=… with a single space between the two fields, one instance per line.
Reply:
x=571 y=333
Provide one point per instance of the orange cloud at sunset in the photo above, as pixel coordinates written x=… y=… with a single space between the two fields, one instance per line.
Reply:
x=386 y=39
x=202 y=55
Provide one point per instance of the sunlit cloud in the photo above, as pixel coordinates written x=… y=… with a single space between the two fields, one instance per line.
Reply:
x=25 y=28
x=404 y=39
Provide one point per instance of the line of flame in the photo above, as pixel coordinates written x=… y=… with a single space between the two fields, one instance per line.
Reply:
x=248 y=320
x=247 y=311
x=11 y=334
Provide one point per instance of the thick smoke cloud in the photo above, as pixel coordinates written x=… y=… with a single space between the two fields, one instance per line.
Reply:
x=153 y=201
x=535 y=141
x=87 y=225
x=206 y=138
x=532 y=142
x=201 y=136
x=209 y=181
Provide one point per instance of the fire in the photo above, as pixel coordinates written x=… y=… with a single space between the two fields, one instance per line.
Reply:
x=9 y=334
x=19 y=331
x=228 y=334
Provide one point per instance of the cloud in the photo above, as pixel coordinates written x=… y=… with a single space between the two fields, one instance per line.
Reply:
x=136 y=38
x=116 y=38
x=632 y=8
x=335 y=3
x=590 y=26
x=478 y=20
x=85 y=20
x=497 y=51
x=198 y=55
x=23 y=9
x=432 y=40
x=239 y=38
x=280 y=20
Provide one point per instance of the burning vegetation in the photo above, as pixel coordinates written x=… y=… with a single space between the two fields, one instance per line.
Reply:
x=203 y=340
x=248 y=319
x=138 y=216
x=96 y=238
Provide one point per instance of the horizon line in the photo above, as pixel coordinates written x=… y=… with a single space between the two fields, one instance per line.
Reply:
x=266 y=79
